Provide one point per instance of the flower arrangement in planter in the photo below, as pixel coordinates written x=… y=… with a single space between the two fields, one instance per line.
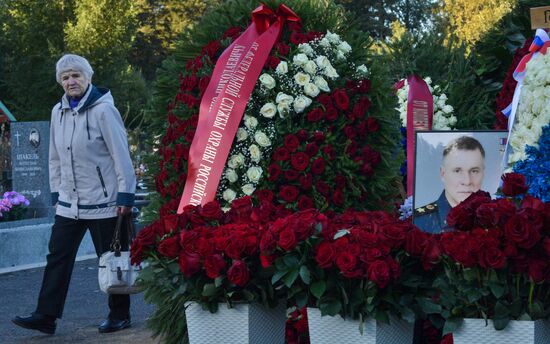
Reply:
x=13 y=206
x=496 y=261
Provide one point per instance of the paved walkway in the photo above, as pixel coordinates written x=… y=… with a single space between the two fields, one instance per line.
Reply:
x=85 y=308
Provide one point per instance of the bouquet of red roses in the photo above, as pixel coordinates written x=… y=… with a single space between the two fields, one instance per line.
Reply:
x=497 y=261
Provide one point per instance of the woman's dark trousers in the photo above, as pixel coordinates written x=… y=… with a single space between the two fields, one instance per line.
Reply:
x=67 y=234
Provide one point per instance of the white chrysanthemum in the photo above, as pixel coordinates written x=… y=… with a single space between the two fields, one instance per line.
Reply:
x=262 y=139
x=282 y=68
x=300 y=103
x=301 y=78
x=254 y=174
x=231 y=175
x=267 y=81
x=255 y=153
x=229 y=195
x=242 y=134
x=268 y=110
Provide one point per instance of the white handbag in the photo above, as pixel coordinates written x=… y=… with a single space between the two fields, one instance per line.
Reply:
x=116 y=274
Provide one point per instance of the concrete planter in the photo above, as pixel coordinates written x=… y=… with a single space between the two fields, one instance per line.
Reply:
x=245 y=323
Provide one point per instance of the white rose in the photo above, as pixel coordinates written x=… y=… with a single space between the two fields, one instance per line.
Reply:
x=300 y=103
x=283 y=109
x=267 y=81
x=305 y=48
x=452 y=121
x=322 y=61
x=283 y=98
x=236 y=160
x=310 y=67
x=262 y=139
x=340 y=55
x=300 y=59
x=302 y=78
x=231 y=175
x=250 y=122
x=248 y=189
x=311 y=90
x=332 y=37
x=268 y=110
x=428 y=80
x=229 y=195
x=321 y=83
x=324 y=42
x=254 y=173
x=255 y=153
x=440 y=103
x=241 y=134
x=331 y=72
x=448 y=109
x=344 y=47
x=362 y=70
x=282 y=68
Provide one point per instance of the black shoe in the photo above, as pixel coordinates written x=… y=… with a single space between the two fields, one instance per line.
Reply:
x=36 y=321
x=113 y=325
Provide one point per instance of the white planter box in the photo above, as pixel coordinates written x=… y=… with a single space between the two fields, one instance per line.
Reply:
x=327 y=329
x=477 y=331
x=245 y=323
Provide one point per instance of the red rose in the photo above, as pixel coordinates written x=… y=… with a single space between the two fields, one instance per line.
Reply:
x=338 y=197
x=521 y=231
x=297 y=38
x=203 y=83
x=318 y=166
x=447 y=339
x=460 y=218
x=372 y=125
x=288 y=193
x=281 y=154
x=325 y=100
x=274 y=171
x=305 y=202
x=538 y=270
x=363 y=86
x=346 y=261
x=232 y=32
x=235 y=248
x=312 y=149
x=492 y=257
x=431 y=252
x=302 y=135
x=266 y=261
x=282 y=48
x=322 y=188
x=319 y=137
x=331 y=114
x=272 y=62
x=242 y=205
x=329 y=150
x=214 y=265
x=325 y=255
x=532 y=203
x=291 y=175
x=189 y=263
x=238 y=273
x=264 y=195
x=379 y=273
x=287 y=239
x=170 y=247
x=299 y=161
x=170 y=223
x=315 y=115
x=268 y=242
x=513 y=184
x=148 y=235
x=212 y=210
x=341 y=99
x=305 y=181
x=291 y=142
x=546 y=245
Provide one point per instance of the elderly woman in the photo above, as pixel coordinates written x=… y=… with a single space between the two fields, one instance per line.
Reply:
x=92 y=181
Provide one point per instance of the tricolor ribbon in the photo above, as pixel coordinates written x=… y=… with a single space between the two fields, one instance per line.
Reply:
x=225 y=99
x=540 y=45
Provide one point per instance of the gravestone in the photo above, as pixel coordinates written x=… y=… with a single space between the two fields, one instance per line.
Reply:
x=29 y=153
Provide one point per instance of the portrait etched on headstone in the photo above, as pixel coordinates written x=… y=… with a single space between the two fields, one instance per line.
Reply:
x=34 y=138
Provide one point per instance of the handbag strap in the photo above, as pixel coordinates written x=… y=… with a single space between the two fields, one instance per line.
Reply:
x=115 y=243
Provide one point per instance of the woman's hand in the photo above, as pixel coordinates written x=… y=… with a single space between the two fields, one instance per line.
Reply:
x=122 y=210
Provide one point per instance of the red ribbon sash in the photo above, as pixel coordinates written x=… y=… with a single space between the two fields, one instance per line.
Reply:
x=225 y=100
x=420 y=109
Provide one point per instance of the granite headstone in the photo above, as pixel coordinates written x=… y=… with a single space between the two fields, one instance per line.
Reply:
x=30 y=177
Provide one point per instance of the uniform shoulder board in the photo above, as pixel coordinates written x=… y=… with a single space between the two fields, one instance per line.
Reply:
x=427 y=209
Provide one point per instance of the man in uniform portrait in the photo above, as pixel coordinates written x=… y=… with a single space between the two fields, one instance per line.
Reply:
x=462 y=170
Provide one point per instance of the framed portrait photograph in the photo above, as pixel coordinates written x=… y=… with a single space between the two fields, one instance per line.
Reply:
x=449 y=167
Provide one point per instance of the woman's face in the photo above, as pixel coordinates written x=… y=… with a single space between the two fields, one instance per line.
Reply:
x=74 y=83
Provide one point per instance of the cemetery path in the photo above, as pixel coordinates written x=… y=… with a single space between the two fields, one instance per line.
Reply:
x=85 y=308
